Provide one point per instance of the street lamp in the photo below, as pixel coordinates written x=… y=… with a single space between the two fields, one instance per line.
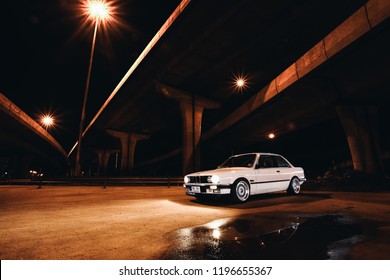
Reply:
x=96 y=11
x=47 y=121
x=271 y=136
x=240 y=83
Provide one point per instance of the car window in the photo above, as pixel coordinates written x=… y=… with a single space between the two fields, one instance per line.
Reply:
x=240 y=161
x=281 y=162
x=266 y=161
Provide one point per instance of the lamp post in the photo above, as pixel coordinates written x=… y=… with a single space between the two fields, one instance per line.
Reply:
x=97 y=11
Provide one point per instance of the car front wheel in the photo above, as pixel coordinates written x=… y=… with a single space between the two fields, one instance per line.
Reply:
x=241 y=191
x=295 y=187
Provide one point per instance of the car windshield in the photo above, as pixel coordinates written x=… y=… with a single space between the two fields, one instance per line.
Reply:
x=239 y=161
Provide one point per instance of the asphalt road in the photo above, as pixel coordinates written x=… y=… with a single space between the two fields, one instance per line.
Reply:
x=136 y=223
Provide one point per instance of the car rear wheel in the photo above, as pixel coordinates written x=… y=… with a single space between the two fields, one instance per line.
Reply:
x=295 y=187
x=241 y=191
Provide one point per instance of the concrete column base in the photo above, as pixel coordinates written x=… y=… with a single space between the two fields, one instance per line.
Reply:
x=360 y=126
x=103 y=157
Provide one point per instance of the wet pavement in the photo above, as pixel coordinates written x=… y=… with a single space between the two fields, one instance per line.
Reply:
x=144 y=223
x=269 y=237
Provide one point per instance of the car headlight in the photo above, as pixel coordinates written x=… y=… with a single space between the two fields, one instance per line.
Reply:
x=186 y=179
x=214 y=179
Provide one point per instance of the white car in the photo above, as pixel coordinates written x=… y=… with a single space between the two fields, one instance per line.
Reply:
x=241 y=176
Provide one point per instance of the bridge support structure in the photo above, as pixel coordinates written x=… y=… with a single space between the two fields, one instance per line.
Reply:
x=191 y=107
x=128 y=143
x=103 y=157
x=360 y=126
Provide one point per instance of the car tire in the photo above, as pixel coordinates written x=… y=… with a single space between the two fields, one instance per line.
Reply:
x=241 y=191
x=294 y=187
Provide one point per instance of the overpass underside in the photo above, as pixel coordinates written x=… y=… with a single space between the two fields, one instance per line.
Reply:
x=24 y=144
x=174 y=103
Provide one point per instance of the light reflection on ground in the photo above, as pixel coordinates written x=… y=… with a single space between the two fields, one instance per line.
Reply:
x=267 y=237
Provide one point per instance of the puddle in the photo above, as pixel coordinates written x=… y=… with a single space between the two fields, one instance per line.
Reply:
x=267 y=237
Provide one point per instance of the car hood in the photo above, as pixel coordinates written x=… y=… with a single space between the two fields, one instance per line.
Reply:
x=219 y=171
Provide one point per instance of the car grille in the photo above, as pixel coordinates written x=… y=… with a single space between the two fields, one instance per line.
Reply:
x=198 y=179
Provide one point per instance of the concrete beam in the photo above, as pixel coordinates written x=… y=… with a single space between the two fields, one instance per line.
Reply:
x=351 y=29
x=377 y=11
x=186 y=97
x=20 y=116
x=360 y=23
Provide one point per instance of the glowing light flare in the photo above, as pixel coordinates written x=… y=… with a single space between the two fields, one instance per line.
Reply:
x=98 y=11
x=47 y=121
x=100 y=14
x=271 y=135
x=240 y=83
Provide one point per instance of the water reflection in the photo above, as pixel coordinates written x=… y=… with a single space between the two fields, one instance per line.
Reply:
x=265 y=237
x=258 y=230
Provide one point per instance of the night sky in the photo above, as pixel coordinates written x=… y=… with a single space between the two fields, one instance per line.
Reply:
x=45 y=48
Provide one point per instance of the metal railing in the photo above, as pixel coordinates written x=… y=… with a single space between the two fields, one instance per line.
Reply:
x=106 y=181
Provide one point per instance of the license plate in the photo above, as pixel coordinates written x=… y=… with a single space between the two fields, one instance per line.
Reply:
x=195 y=189
x=209 y=191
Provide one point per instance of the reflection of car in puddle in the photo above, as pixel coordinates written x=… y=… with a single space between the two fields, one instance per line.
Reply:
x=232 y=238
x=244 y=231
x=266 y=237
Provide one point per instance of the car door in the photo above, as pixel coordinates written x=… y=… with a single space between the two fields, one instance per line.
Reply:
x=284 y=169
x=267 y=175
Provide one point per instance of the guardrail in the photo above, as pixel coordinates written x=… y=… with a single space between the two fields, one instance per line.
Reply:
x=102 y=181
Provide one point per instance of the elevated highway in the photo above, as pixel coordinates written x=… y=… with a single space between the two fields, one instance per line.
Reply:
x=24 y=144
x=305 y=62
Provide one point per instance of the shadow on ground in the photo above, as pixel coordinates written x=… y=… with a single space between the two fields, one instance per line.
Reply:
x=263 y=200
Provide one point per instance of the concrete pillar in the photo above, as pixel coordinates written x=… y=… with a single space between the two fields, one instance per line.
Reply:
x=103 y=157
x=192 y=124
x=360 y=126
x=191 y=107
x=128 y=143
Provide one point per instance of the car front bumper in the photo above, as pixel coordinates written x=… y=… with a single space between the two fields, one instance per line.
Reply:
x=195 y=190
